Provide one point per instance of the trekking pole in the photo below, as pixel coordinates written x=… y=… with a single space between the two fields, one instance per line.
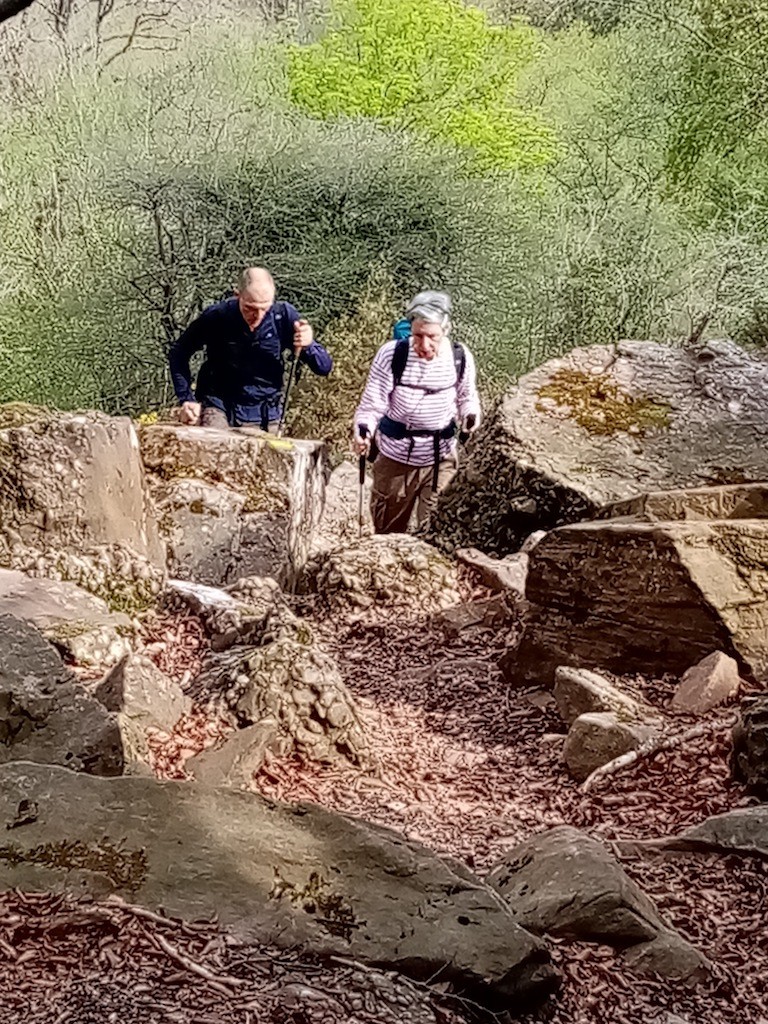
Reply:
x=363 y=432
x=291 y=374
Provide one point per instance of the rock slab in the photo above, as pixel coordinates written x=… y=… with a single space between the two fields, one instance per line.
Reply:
x=646 y=597
x=234 y=503
x=45 y=715
x=600 y=424
x=74 y=506
x=284 y=876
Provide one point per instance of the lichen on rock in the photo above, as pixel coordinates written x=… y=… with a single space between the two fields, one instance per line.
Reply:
x=598 y=404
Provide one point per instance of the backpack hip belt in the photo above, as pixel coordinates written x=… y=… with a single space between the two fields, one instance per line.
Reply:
x=398 y=431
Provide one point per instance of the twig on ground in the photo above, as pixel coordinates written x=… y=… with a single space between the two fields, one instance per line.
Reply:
x=654 y=745
x=223 y=983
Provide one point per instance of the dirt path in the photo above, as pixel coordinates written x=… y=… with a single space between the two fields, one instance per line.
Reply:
x=470 y=769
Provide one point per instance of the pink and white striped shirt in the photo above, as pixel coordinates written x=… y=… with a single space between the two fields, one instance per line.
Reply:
x=414 y=407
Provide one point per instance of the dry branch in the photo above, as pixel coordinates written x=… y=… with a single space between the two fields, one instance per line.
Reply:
x=654 y=745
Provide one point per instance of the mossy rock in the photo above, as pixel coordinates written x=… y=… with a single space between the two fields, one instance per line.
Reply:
x=600 y=406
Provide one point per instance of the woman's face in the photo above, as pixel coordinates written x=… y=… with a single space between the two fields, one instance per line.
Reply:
x=426 y=338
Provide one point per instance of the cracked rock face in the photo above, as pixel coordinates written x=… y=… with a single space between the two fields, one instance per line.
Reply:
x=599 y=425
x=73 y=505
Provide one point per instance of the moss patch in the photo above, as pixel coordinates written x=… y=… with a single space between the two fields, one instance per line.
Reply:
x=600 y=406
x=123 y=869
x=316 y=898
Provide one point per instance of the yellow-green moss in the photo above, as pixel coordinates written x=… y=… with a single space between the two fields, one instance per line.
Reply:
x=600 y=406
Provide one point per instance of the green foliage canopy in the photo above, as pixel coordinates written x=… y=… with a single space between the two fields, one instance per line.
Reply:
x=434 y=66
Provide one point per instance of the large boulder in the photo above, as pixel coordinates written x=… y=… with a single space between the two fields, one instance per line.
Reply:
x=749 y=759
x=390 y=570
x=599 y=424
x=564 y=883
x=646 y=597
x=78 y=623
x=234 y=503
x=45 y=715
x=73 y=493
x=284 y=876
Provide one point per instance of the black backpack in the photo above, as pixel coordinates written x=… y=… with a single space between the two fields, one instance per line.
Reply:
x=400 y=358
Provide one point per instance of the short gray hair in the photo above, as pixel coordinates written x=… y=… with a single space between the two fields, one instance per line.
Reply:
x=431 y=315
x=440 y=300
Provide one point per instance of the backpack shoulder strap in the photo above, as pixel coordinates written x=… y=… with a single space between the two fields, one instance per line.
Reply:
x=399 y=359
x=459 y=360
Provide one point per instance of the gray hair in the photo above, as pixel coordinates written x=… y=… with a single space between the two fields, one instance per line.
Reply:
x=439 y=300
x=431 y=315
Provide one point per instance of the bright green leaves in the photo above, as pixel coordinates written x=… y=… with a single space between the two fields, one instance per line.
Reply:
x=436 y=67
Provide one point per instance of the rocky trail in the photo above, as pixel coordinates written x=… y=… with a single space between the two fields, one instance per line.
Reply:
x=471 y=769
x=255 y=767
x=73 y=962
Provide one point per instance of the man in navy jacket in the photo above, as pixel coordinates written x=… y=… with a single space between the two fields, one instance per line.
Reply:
x=245 y=338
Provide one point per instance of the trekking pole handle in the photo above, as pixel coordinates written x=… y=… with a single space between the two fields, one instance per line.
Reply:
x=362 y=431
x=469 y=423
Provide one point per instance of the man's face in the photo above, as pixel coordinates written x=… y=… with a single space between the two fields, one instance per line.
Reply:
x=254 y=304
x=426 y=338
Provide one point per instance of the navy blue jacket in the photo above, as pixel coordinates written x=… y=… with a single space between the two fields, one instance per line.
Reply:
x=243 y=370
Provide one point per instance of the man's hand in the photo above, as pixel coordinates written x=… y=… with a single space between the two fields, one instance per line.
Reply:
x=302 y=334
x=190 y=413
x=469 y=424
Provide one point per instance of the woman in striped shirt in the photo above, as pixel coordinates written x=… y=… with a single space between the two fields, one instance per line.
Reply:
x=421 y=391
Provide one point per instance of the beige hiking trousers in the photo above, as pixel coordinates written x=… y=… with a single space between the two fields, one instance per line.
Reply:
x=399 y=488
